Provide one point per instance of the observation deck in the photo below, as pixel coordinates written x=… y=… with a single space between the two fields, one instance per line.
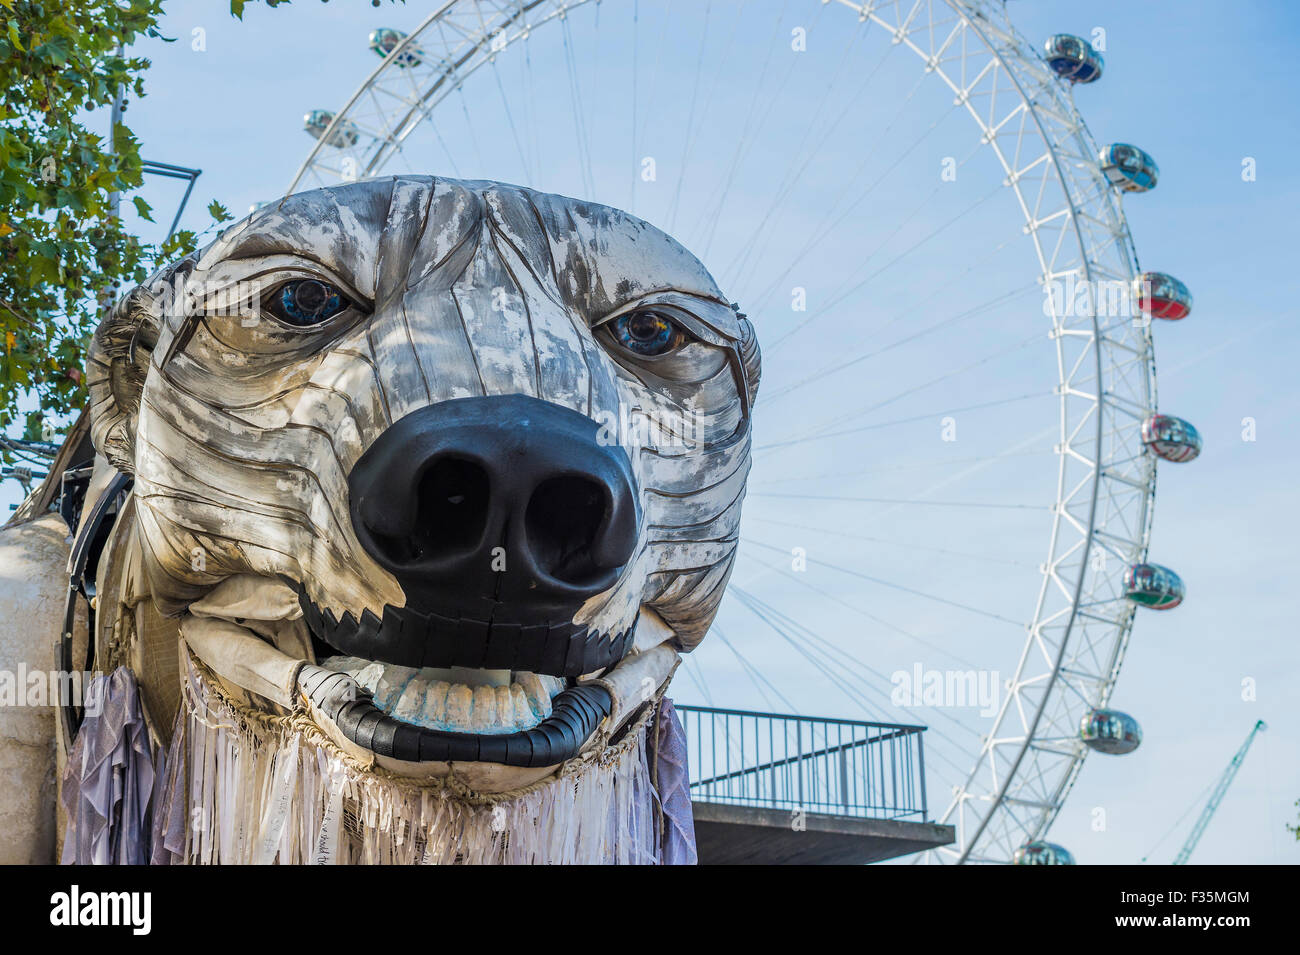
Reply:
x=776 y=789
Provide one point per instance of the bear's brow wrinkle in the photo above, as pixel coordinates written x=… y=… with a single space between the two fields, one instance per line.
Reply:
x=550 y=255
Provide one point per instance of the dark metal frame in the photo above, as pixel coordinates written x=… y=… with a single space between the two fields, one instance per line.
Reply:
x=824 y=765
x=173 y=172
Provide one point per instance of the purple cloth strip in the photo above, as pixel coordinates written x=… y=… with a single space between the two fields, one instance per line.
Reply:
x=108 y=785
x=667 y=745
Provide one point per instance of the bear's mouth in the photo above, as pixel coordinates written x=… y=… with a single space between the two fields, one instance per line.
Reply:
x=411 y=688
x=405 y=714
x=420 y=686
x=407 y=637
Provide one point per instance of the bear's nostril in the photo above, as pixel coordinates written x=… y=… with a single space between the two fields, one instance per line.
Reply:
x=451 y=509
x=500 y=509
x=563 y=521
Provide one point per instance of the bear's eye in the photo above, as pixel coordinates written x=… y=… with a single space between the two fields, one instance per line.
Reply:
x=306 y=302
x=648 y=332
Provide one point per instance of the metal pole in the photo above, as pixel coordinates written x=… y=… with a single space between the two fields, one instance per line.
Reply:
x=115 y=197
x=920 y=764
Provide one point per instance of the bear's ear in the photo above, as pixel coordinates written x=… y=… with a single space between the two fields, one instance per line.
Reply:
x=115 y=372
x=750 y=358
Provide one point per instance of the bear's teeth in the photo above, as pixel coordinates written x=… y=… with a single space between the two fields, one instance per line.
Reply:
x=519 y=700
x=535 y=691
x=455 y=699
x=411 y=703
x=484 y=712
x=435 y=703
x=368 y=676
x=460 y=703
x=505 y=706
x=391 y=685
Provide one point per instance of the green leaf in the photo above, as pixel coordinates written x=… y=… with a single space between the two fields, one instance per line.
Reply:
x=64 y=250
x=54 y=50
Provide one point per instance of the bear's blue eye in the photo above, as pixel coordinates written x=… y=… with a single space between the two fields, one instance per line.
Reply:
x=648 y=332
x=307 y=302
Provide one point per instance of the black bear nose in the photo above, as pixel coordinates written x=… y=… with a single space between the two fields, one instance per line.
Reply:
x=504 y=498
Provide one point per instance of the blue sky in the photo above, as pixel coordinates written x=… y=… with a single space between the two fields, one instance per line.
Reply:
x=1198 y=85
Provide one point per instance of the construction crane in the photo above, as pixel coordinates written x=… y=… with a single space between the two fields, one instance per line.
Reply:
x=1216 y=797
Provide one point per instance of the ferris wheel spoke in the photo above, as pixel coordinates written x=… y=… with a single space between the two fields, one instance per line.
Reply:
x=755 y=675
x=906 y=500
x=579 y=123
x=528 y=103
x=1071 y=680
x=841 y=660
x=831 y=221
x=863 y=613
x=712 y=214
x=909 y=545
x=803 y=156
x=817 y=239
x=660 y=46
x=824 y=372
x=819 y=431
x=909 y=309
x=692 y=130
x=636 y=156
x=837 y=298
x=813 y=655
x=893 y=586
x=733 y=270
x=692 y=669
x=808 y=643
x=833 y=663
x=1073 y=673
x=911 y=419
x=510 y=120
x=914 y=466
x=597 y=71
x=469 y=125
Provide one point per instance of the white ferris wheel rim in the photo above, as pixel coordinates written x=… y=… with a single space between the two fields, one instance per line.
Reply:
x=1075 y=646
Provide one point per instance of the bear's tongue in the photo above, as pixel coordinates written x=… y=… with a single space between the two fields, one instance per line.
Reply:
x=456 y=699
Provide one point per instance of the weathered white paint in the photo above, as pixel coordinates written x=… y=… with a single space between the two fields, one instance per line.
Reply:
x=33 y=585
x=241 y=431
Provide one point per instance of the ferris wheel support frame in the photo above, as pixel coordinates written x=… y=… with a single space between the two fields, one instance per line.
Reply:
x=1030 y=760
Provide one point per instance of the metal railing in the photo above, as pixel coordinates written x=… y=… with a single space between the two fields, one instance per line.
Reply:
x=777 y=761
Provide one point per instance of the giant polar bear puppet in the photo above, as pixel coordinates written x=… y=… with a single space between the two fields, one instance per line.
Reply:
x=432 y=481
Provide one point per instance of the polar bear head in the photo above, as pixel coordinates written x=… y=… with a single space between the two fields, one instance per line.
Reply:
x=491 y=443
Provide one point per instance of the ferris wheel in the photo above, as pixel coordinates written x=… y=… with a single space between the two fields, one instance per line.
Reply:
x=906 y=201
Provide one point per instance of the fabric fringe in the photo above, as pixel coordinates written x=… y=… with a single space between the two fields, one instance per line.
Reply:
x=267 y=789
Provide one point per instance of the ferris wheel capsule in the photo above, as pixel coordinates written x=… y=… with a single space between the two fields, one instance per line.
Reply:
x=1128 y=168
x=1073 y=58
x=318 y=120
x=1150 y=585
x=1162 y=296
x=385 y=40
x=1170 y=438
x=1042 y=853
x=1110 y=732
